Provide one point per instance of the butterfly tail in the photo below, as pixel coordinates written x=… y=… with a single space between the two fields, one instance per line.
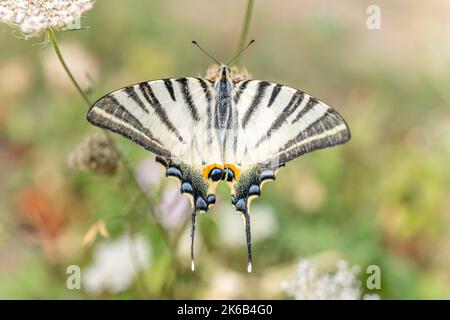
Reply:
x=194 y=219
x=249 y=239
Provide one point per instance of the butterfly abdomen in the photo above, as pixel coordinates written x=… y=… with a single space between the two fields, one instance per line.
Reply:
x=223 y=104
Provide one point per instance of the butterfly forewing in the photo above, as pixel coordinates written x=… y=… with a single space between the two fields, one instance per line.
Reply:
x=279 y=123
x=163 y=116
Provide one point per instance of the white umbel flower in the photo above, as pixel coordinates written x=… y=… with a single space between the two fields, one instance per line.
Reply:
x=35 y=16
x=310 y=284
x=115 y=264
x=232 y=231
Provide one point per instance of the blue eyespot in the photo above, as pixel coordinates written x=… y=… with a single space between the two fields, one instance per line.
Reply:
x=186 y=187
x=240 y=205
x=254 y=190
x=215 y=174
x=228 y=174
x=267 y=175
x=174 y=172
x=200 y=204
x=211 y=199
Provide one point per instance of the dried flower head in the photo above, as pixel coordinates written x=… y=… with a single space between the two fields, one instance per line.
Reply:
x=311 y=284
x=35 y=16
x=96 y=153
x=212 y=73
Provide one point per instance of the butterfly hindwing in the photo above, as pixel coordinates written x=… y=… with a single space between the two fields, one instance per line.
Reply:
x=200 y=191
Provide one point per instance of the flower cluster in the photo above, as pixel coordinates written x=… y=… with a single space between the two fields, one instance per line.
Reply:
x=310 y=284
x=116 y=264
x=232 y=232
x=35 y=16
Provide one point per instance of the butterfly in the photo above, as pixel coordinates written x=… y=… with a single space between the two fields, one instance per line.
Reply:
x=205 y=131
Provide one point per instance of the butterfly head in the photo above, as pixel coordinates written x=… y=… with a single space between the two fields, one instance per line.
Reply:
x=216 y=72
x=224 y=72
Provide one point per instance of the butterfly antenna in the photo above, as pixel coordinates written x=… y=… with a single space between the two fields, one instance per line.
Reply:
x=211 y=57
x=249 y=240
x=241 y=52
x=194 y=218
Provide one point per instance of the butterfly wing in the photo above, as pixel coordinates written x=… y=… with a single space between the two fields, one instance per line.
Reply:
x=167 y=117
x=277 y=124
x=161 y=116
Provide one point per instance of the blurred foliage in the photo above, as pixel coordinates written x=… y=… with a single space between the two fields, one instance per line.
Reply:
x=381 y=199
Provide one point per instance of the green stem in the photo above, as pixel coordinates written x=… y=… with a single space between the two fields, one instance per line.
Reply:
x=52 y=37
x=245 y=27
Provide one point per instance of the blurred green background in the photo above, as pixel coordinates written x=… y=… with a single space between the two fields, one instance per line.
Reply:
x=381 y=199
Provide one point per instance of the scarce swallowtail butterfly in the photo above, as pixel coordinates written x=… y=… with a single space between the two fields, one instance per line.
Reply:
x=204 y=131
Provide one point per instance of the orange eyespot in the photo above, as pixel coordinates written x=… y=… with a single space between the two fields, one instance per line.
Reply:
x=235 y=170
x=215 y=172
x=207 y=169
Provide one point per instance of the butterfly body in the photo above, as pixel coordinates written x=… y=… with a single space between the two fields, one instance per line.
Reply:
x=205 y=131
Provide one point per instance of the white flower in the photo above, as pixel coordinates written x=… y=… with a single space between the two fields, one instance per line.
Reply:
x=35 y=16
x=263 y=225
x=310 y=284
x=172 y=209
x=116 y=264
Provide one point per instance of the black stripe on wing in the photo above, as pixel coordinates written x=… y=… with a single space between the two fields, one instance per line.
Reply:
x=133 y=95
x=109 y=114
x=187 y=97
x=275 y=91
x=206 y=90
x=169 y=87
x=293 y=104
x=311 y=103
x=239 y=90
x=328 y=130
x=206 y=87
x=147 y=92
x=256 y=101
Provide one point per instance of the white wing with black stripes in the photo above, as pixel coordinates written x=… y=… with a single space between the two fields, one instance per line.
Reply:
x=276 y=124
x=279 y=123
x=167 y=117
